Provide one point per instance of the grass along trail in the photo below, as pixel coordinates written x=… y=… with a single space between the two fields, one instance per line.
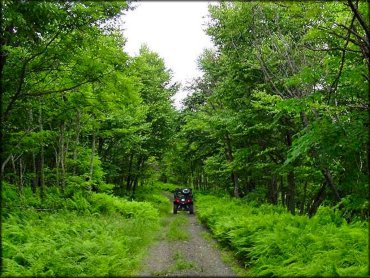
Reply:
x=181 y=250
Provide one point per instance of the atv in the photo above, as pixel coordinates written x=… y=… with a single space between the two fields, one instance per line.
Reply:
x=183 y=200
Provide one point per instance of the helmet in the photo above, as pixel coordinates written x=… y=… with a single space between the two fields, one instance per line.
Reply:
x=186 y=191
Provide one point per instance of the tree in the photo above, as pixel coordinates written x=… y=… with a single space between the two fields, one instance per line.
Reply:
x=38 y=39
x=283 y=91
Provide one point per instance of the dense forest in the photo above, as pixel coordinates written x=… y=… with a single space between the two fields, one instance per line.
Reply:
x=278 y=124
x=281 y=111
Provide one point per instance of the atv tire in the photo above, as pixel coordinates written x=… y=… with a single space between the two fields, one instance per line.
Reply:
x=191 y=209
x=174 y=209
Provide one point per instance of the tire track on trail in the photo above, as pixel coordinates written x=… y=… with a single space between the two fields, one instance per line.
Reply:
x=181 y=250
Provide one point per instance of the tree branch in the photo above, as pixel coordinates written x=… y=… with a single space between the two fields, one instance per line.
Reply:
x=332 y=49
x=39 y=94
x=341 y=36
x=334 y=85
x=359 y=17
x=18 y=92
x=353 y=32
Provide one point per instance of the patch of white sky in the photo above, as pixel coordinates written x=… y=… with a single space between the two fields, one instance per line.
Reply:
x=174 y=30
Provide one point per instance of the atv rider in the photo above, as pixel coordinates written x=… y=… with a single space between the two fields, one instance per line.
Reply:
x=183 y=200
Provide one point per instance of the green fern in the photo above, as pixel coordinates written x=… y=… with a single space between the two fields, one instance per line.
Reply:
x=272 y=242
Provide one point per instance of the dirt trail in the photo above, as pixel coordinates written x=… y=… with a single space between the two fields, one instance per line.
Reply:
x=181 y=250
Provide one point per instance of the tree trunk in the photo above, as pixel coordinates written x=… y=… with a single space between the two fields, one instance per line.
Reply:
x=325 y=171
x=291 y=192
x=20 y=184
x=204 y=178
x=100 y=145
x=41 y=177
x=191 y=183
x=283 y=195
x=273 y=190
x=34 y=166
x=62 y=155
x=129 y=176
x=291 y=181
x=329 y=181
x=230 y=158
x=92 y=155
x=235 y=178
x=301 y=211
x=57 y=166
x=318 y=199
x=135 y=183
x=35 y=174
x=14 y=169
x=77 y=140
x=136 y=180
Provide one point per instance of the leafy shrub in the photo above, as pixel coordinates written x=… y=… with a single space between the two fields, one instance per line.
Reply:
x=272 y=242
x=165 y=186
x=106 y=188
x=155 y=195
x=88 y=234
x=66 y=244
x=103 y=203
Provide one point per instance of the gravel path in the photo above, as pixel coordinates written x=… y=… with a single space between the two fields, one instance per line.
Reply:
x=187 y=255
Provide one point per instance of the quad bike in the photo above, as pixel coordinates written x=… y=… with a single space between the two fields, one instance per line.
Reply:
x=183 y=200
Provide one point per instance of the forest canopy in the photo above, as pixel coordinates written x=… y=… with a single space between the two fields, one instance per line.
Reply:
x=280 y=113
x=273 y=138
x=76 y=109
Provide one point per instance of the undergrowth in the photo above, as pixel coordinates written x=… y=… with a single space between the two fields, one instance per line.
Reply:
x=177 y=230
x=181 y=263
x=156 y=200
x=85 y=234
x=272 y=242
x=156 y=195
